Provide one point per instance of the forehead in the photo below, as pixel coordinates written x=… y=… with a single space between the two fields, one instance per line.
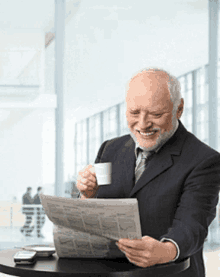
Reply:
x=149 y=89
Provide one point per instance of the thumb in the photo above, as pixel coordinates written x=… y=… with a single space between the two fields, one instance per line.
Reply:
x=91 y=169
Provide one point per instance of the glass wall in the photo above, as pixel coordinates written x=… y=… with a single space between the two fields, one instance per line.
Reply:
x=218 y=105
x=186 y=90
x=27 y=133
x=94 y=136
x=110 y=127
x=202 y=101
x=81 y=145
x=123 y=121
x=112 y=122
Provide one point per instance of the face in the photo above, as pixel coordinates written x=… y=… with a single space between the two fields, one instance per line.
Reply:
x=150 y=109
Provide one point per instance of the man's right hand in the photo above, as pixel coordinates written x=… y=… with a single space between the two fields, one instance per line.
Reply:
x=86 y=182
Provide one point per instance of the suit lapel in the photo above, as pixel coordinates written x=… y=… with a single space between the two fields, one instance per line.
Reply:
x=156 y=166
x=162 y=160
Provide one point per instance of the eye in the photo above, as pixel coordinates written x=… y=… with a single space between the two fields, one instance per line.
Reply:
x=157 y=114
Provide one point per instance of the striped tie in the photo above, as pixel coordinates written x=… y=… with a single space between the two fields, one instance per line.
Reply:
x=141 y=163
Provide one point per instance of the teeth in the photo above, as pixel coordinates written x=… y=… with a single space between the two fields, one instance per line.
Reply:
x=146 y=134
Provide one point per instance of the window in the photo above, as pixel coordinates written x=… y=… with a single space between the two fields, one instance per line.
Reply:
x=94 y=136
x=110 y=123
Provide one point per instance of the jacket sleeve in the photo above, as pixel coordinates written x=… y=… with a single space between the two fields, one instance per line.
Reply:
x=197 y=207
x=101 y=151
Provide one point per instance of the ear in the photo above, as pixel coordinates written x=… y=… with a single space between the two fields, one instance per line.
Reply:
x=180 y=109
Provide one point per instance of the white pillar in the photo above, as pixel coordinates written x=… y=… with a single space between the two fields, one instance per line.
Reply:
x=213 y=78
x=60 y=11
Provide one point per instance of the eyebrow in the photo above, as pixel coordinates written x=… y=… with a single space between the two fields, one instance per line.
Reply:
x=154 y=111
x=157 y=111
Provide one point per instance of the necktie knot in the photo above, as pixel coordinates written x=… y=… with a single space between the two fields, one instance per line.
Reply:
x=141 y=162
x=145 y=154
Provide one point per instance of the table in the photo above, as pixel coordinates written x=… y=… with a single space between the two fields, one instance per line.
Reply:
x=54 y=267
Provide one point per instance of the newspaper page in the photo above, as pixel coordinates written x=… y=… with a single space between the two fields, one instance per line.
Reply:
x=90 y=227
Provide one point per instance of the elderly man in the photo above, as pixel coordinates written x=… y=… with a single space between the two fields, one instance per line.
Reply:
x=174 y=176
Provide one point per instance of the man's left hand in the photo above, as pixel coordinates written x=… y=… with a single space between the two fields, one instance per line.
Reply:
x=147 y=251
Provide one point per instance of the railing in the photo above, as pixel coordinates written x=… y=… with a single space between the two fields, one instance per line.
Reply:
x=34 y=221
x=19 y=90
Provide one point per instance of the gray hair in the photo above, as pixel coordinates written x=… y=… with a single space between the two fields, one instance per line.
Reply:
x=173 y=85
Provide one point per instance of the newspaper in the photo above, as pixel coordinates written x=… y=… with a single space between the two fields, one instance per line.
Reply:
x=90 y=227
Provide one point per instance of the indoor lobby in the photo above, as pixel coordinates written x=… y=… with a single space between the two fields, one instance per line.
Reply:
x=63 y=71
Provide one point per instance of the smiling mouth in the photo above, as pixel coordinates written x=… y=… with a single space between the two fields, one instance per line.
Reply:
x=147 y=134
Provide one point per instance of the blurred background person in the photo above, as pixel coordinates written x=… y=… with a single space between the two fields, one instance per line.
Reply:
x=29 y=212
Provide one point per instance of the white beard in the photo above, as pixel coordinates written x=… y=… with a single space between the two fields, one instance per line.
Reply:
x=162 y=139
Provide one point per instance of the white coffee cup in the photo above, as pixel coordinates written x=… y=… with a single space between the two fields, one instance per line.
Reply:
x=103 y=173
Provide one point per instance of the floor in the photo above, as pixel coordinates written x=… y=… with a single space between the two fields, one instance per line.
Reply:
x=212 y=263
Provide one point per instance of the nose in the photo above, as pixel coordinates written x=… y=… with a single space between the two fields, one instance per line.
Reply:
x=144 y=122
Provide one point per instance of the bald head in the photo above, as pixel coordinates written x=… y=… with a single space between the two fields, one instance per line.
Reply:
x=154 y=84
x=151 y=111
x=163 y=77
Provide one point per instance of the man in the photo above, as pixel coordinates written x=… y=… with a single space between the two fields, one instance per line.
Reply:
x=40 y=213
x=177 y=192
x=27 y=200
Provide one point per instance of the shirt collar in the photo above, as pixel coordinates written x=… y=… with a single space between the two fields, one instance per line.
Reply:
x=158 y=148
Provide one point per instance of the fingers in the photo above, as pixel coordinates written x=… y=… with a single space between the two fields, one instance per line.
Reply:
x=84 y=185
x=87 y=191
x=91 y=169
x=140 y=244
x=142 y=252
x=134 y=243
x=86 y=182
x=140 y=261
x=136 y=261
x=141 y=258
x=130 y=251
x=138 y=258
x=88 y=173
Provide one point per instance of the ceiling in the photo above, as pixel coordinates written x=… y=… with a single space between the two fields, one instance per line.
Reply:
x=163 y=25
x=111 y=40
x=27 y=21
x=34 y=14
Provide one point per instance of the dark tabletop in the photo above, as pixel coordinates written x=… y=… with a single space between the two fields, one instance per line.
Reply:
x=54 y=267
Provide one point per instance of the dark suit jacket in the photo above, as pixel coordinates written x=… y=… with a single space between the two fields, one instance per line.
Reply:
x=27 y=199
x=36 y=199
x=177 y=193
